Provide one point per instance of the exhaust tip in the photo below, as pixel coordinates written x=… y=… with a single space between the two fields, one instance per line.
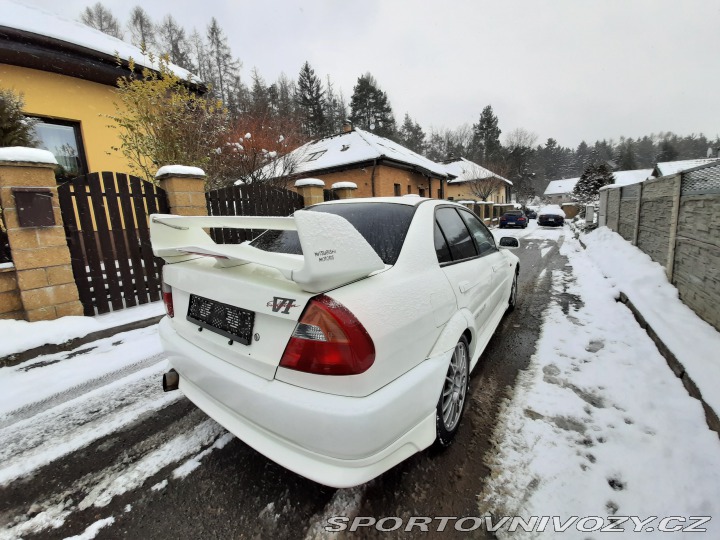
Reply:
x=171 y=379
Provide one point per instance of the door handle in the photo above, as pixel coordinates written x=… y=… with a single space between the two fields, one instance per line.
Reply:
x=464 y=286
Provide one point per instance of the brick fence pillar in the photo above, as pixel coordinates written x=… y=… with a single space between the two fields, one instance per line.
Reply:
x=344 y=190
x=185 y=187
x=311 y=190
x=40 y=254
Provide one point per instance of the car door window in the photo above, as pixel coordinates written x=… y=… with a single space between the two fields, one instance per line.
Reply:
x=456 y=233
x=484 y=240
x=441 y=247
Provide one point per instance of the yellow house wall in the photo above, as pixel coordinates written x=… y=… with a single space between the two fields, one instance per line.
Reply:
x=67 y=98
x=462 y=191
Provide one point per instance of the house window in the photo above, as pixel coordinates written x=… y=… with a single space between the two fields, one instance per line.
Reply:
x=409 y=189
x=315 y=155
x=64 y=140
x=397 y=190
x=422 y=192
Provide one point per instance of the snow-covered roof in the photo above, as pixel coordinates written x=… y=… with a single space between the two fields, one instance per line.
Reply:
x=465 y=170
x=625 y=178
x=38 y=21
x=673 y=167
x=345 y=149
x=561 y=187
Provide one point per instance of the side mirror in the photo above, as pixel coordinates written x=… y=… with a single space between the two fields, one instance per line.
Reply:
x=509 y=242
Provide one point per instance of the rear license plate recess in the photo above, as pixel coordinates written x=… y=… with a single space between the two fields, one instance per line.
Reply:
x=230 y=321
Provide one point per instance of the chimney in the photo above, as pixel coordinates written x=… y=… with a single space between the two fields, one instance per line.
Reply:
x=347 y=126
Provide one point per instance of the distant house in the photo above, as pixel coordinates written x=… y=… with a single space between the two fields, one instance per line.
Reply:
x=560 y=191
x=67 y=73
x=624 y=178
x=466 y=173
x=672 y=167
x=378 y=166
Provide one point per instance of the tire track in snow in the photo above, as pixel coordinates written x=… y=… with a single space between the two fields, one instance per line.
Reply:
x=56 y=432
x=27 y=378
x=132 y=467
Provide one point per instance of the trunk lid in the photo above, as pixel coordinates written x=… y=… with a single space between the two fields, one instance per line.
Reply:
x=274 y=302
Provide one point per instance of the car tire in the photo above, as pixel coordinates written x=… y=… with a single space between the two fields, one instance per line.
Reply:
x=512 y=301
x=452 y=400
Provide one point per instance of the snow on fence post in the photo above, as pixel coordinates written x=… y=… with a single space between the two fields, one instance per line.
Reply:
x=44 y=283
x=344 y=190
x=311 y=190
x=185 y=188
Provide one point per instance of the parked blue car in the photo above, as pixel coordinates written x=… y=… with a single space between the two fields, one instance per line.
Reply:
x=513 y=218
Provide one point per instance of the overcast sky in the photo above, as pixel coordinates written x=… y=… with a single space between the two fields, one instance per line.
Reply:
x=569 y=69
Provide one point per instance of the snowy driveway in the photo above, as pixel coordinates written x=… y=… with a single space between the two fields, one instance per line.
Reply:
x=91 y=445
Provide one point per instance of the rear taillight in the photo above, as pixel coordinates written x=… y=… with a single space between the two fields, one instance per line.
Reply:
x=168 y=299
x=521 y=219
x=328 y=340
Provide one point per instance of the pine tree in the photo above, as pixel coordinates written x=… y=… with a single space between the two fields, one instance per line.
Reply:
x=283 y=102
x=260 y=95
x=587 y=189
x=486 y=147
x=645 y=152
x=142 y=29
x=225 y=72
x=666 y=151
x=551 y=159
x=370 y=108
x=581 y=158
x=200 y=57
x=310 y=101
x=15 y=128
x=335 y=109
x=625 y=155
x=101 y=18
x=173 y=43
x=411 y=135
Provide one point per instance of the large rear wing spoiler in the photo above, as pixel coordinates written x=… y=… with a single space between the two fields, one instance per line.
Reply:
x=334 y=252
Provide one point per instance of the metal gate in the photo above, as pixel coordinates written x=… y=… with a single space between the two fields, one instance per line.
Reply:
x=106 y=225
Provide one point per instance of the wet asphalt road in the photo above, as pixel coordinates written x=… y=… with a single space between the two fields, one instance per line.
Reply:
x=238 y=493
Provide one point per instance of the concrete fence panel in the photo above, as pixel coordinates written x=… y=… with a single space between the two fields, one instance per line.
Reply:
x=628 y=211
x=696 y=270
x=613 y=205
x=655 y=227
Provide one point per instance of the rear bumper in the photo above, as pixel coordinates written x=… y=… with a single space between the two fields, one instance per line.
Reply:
x=334 y=440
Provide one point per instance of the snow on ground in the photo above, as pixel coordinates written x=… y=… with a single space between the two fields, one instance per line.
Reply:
x=58 y=404
x=41 y=439
x=693 y=341
x=18 y=336
x=41 y=378
x=598 y=424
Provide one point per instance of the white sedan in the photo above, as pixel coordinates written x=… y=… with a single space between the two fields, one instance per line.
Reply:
x=339 y=342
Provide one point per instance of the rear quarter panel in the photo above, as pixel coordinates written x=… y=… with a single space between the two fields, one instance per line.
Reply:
x=404 y=309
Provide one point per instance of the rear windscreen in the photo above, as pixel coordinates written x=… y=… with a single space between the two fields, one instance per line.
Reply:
x=383 y=225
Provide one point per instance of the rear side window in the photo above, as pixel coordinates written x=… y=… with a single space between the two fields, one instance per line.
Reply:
x=441 y=248
x=483 y=238
x=383 y=225
x=456 y=233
